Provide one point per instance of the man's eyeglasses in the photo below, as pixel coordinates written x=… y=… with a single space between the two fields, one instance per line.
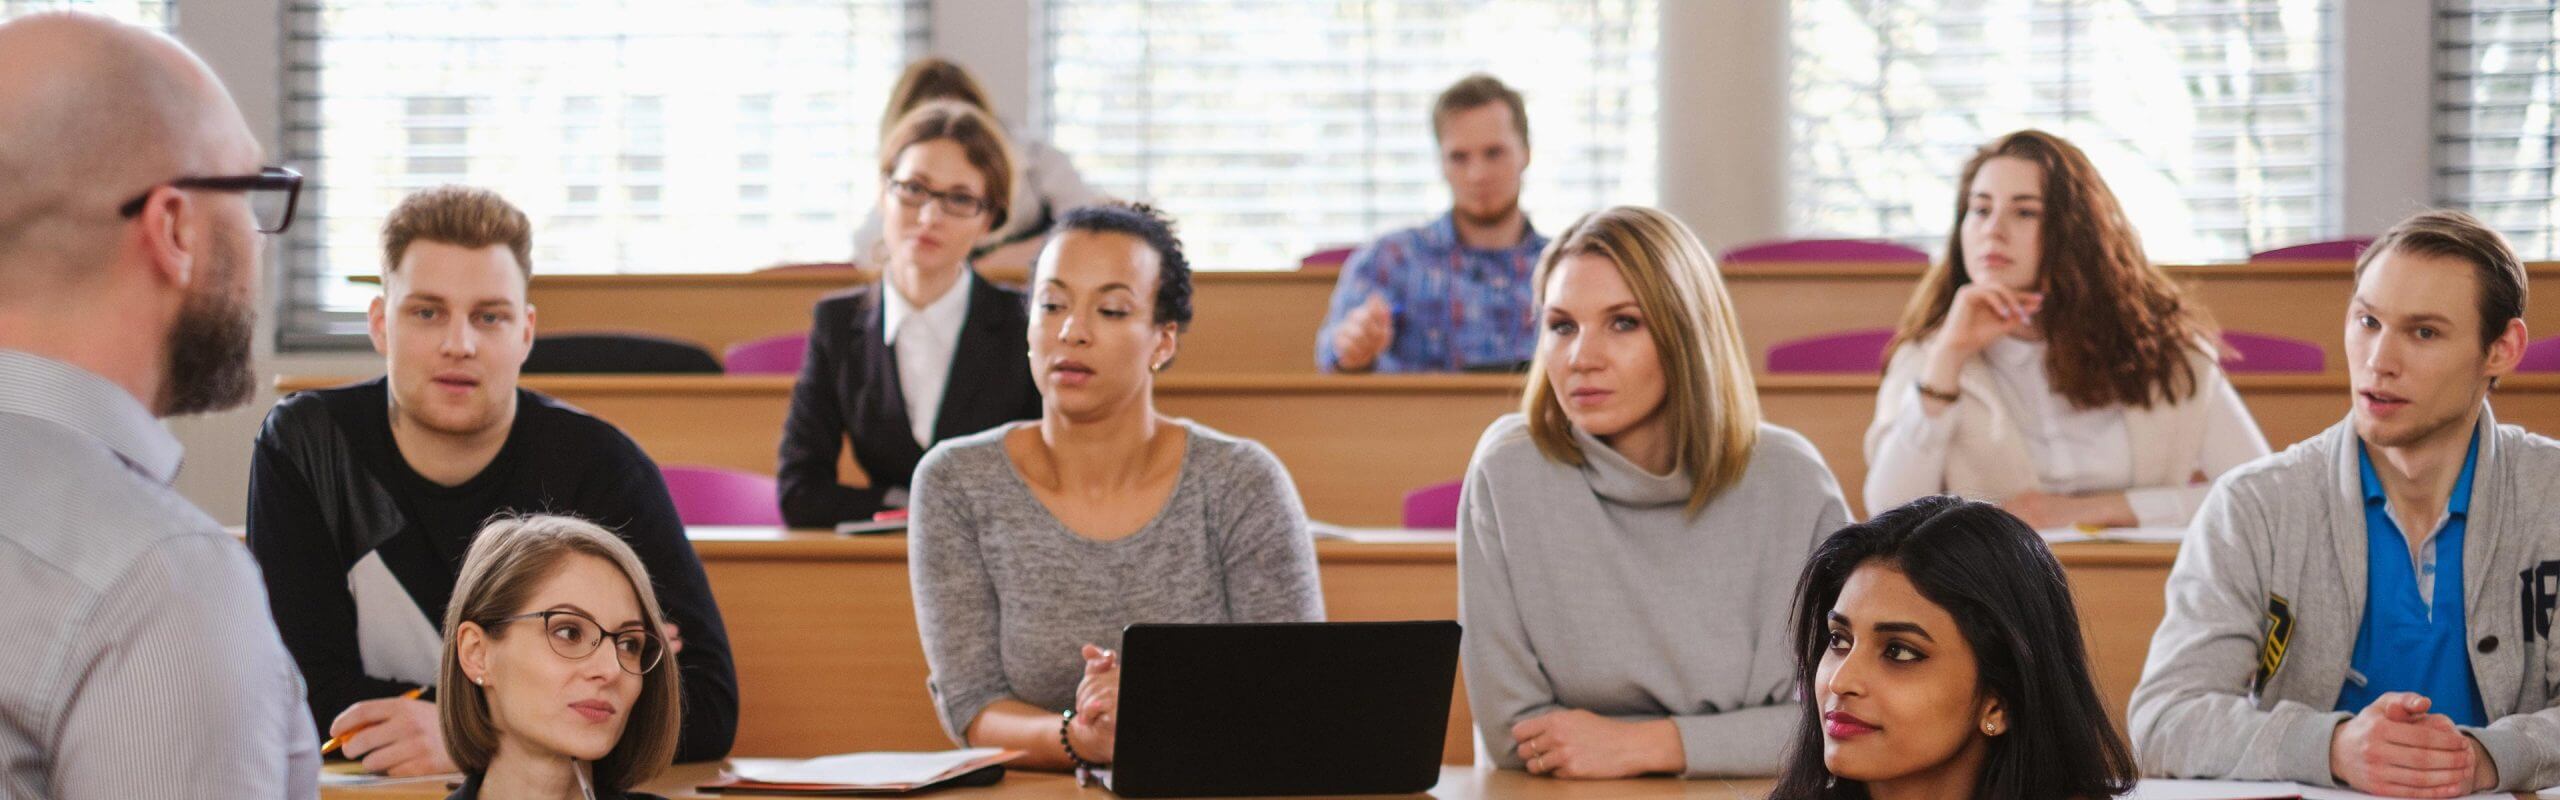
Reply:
x=273 y=194
x=574 y=636
x=912 y=194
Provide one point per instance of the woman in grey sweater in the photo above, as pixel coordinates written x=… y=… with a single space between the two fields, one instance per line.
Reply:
x=1628 y=544
x=1031 y=545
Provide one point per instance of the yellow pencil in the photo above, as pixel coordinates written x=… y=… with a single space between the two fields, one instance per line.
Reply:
x=336 y=742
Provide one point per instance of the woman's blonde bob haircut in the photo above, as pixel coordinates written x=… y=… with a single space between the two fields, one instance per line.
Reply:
x=1710 y=403
x=509 y=559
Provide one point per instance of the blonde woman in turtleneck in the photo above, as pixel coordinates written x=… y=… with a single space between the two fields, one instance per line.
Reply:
x=1628 y=543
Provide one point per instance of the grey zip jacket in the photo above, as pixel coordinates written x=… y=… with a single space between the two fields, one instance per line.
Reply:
x=2269 y=591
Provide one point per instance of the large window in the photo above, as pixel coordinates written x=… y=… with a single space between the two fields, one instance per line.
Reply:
x=162 y=14
x=1271 y=128
x=2210 y=119
x=2498 y=130
x=640 y=135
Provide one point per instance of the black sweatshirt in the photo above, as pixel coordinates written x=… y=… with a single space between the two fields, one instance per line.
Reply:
x=339 y=522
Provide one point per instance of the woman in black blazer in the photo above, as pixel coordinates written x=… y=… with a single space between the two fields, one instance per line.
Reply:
x=946 y=175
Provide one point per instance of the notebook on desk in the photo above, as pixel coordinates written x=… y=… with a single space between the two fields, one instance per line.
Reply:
x=1224 y=710
x=863 y=774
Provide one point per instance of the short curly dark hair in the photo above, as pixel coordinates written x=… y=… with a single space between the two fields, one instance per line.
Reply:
x=1173 y=273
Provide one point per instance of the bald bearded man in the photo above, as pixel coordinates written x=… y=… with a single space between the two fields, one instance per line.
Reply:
x=142 y=661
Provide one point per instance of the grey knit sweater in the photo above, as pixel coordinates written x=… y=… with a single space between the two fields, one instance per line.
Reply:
x=1591 y=588
x=1006 y=596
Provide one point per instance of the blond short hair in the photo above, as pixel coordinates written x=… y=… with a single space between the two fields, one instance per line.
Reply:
x=462 y=216
x=507 y=560
x=1710 y=402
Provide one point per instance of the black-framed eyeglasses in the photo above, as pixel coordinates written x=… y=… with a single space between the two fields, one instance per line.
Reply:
x=273 y=194
x=912 y=195
x=575 y=636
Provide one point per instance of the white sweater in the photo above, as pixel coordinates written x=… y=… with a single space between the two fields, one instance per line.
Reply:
x=2000 y=439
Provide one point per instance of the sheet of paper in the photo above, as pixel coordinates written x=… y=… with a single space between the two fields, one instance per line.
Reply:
x=349 y=773
x=2314 y=793
x=1327 y=530
x=2167 y=789
x=2146 y=535
x=857 y=769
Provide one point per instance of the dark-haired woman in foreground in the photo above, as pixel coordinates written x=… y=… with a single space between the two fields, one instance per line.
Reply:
x=1940 y=657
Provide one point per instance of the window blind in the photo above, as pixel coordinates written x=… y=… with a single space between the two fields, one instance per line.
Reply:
x=1273 y=128
x=641 y=136
x=2210 y=119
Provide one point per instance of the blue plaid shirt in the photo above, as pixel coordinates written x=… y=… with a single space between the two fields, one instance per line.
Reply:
x=1455 y=307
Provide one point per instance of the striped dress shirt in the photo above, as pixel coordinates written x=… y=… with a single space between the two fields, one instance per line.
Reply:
x=141 y=660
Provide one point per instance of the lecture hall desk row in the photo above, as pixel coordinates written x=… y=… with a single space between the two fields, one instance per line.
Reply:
x=823 y=628
x=1355 y=444
x=1265 y=322
x=1456 y=783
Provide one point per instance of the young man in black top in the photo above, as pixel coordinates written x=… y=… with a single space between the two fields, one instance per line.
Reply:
x=364 y=498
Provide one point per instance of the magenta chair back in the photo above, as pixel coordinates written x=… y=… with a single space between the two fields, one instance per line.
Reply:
x=2338 y=250
x=1799 y=251
x=719 y=496
x=2258 y=353
x=1845 y=351
x=2542 y=356
x=1328 y=258
x=772 y=355
x=1434 y=506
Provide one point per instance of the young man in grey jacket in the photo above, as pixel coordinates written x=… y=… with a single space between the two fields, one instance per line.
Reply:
x=2372 y=607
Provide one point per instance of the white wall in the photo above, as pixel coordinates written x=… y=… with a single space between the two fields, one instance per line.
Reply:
x=1723 y=134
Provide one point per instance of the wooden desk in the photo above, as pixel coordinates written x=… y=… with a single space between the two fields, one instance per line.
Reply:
x=824 y=634
x=1266 y=322
x=1456 y=783
x=1356 y=444
x=1249 y=322
x=2304 y=300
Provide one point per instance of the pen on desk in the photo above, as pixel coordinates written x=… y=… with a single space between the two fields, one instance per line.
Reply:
x=336 y=742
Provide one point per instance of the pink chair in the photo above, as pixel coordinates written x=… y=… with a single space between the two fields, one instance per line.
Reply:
x=1846 y=351
x=2542 y=356
x=819 y=266
x=2338 y=250
x=772 y=355
x=1328 y=258
x=2260 y=353
x=720 y=496
x=1433 y=506
x=1798 y=251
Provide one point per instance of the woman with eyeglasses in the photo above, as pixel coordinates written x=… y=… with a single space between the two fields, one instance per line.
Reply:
x=1045 y=184
x=930 y=352
x=555 y=683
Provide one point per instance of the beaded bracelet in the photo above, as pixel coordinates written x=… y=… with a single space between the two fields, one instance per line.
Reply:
x=1066 y=721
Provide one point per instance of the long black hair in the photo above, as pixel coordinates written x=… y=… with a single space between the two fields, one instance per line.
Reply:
x=2013 y=606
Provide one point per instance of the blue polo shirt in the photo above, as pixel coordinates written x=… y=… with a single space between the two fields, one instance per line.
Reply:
x=2413 y=638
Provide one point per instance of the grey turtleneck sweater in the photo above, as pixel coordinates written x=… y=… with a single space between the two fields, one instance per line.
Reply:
x=1591 y=588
